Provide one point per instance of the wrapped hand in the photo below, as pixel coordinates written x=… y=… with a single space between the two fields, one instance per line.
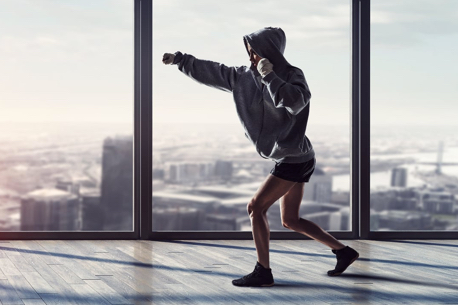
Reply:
x=264 y=67
x=168 y=58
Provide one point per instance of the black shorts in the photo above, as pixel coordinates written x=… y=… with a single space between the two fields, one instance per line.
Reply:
x=296 y=172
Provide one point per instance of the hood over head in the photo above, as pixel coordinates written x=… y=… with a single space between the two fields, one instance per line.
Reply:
x=269 y=43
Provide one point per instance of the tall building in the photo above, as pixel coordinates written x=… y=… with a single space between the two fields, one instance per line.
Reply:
x=50 y=210
x=223 y=169
x=116 y=188
x=319 y=188
x=189 y=172
x=399 y=177
x=91 y=210
x=394 y=199
x=437 y=201
x=340 y=220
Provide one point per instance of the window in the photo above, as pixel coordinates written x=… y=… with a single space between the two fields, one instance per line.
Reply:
x=414 y=147
x=66 y=99
x=204 y=169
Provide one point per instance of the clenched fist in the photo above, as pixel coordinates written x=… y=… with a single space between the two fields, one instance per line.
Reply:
x=264 y=67
x=168 y=58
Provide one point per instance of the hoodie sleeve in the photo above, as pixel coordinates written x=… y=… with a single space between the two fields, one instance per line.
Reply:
x=207 y=72
x=293 y=95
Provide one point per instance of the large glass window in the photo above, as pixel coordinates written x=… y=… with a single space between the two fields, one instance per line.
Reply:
x=205 y=171
x=414 y=143
x=66 y=115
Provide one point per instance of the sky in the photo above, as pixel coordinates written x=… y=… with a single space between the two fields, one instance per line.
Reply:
x=72 y=60
x=66 y=60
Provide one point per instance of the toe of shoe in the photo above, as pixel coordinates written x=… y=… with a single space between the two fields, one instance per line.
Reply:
x=333 y=273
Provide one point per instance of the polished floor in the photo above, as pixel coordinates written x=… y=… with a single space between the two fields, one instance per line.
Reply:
x=200 y=272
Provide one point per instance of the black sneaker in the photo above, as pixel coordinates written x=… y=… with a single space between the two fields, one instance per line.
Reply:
x=345 y=257
x=260 y=277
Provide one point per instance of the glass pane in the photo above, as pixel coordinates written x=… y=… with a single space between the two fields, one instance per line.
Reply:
x=66 y=115
x=414 y=146
x=205 y=170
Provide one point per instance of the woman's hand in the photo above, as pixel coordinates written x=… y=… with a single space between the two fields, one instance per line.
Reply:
x=168 y=58
x=264 y=67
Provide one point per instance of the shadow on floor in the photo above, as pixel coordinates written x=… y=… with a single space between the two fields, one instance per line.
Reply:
x=9 y=295
x=310 y=292
x=391 y=279
x=361 y=259
x=280 y=283
x=423 y=243
x=133 y=263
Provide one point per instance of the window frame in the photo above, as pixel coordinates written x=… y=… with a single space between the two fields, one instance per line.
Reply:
x=142 y=53
x=142 y=194
x=354 y=163
x=366 y=233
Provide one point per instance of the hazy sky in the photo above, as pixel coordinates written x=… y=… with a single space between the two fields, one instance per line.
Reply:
x=66 y=60
x=318 y=42
x=72 y=60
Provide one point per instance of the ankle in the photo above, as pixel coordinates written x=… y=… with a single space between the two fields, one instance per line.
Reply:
x=265 y=266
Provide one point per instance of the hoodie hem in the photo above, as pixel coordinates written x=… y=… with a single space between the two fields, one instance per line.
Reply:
x=306 y=157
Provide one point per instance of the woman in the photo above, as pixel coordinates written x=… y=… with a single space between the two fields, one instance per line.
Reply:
x=272 y=100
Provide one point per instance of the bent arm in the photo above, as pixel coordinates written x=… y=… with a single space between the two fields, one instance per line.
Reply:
x=207 y=72
x=293 y=95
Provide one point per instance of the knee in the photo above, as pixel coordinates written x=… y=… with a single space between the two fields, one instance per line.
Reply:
x=255 y=207
x=290 y=223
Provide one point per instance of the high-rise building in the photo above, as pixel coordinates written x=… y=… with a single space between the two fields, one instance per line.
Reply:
x=91 y=210
x=223 y=169
x=399 y=177
x=437 y=201
x=50 y=210
x=394 y=199
x=189 y=172
x=319 y=188
x=340 y=220
x=116 y=187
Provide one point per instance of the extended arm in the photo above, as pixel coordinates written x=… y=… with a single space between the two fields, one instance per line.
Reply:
x=206 y=72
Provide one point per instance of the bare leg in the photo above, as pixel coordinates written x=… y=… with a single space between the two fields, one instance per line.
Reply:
x=270 y=191
x=290 y=204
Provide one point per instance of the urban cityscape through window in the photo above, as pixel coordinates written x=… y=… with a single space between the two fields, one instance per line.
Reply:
x=66 y=98
x=66 y=115
x=414 y=143
x=205 y=170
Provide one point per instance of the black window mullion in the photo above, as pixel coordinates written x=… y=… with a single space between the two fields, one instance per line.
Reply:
x=143 y=101
x=364 y=115
x=355 y=124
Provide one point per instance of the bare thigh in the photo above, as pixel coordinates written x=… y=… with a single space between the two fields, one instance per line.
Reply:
x=291 y=202
x=272 y=189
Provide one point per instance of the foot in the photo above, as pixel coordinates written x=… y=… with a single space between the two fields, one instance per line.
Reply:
x=345 y=257
x=260 y=277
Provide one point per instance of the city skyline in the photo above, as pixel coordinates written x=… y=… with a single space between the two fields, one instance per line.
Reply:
x=72 y=160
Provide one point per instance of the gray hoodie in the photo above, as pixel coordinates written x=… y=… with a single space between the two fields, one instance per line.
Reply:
x=273 y=110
